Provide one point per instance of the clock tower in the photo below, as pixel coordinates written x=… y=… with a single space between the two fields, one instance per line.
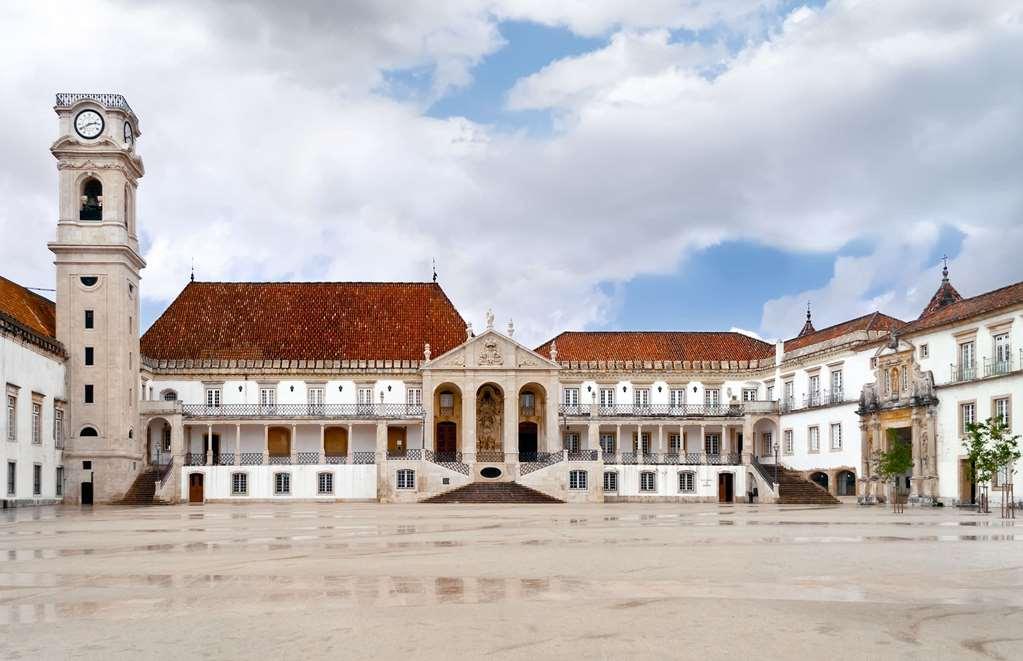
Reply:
x=98 y=266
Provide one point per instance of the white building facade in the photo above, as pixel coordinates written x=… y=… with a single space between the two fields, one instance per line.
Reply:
x=247 y=392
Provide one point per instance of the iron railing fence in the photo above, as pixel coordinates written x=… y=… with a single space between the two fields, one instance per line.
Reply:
x=732 y=410
x=317 y=411
x=68 y=99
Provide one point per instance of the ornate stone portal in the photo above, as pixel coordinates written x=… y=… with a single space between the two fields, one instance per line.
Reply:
x=489 y=419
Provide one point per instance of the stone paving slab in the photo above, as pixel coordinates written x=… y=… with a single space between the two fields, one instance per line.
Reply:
x=441 y=581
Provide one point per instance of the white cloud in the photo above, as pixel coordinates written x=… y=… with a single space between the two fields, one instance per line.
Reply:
x=271 y=154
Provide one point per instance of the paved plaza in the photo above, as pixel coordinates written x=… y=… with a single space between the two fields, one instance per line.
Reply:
x=451 y=581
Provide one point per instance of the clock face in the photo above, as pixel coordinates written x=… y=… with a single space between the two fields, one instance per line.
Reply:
x=129 y=135
x=89 y=124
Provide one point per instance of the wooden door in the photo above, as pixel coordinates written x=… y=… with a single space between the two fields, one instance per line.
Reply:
x=725 y=494
x=87 y=493
x=396 y=440
x=447 y=442
x=195 y=494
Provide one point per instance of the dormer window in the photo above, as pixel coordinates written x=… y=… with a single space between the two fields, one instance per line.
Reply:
x=92 y=200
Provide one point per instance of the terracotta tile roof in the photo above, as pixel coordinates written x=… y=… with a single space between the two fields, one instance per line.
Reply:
x=305 y=321
x=875 y=321
x=967 y=308
x=656 y=346
x=946 y=295
x=36 y=313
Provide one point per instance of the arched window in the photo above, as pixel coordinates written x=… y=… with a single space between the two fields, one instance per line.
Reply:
x=169 y=396
x=88 y=431
x=131 y=433
x=92 y=200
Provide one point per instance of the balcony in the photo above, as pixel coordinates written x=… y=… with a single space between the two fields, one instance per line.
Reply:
x=734 y=410
x=822 y=398
x=964 y=372
x=1000 y=367
x=306 y=411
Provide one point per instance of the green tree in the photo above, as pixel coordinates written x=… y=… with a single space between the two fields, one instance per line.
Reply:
x=893 y=463
x=992 y=451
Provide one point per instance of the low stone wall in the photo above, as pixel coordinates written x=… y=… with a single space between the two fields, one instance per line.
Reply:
x=553 y=480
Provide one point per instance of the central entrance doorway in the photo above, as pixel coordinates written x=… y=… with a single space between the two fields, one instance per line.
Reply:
x=195 y=488
x=527 y=441
x=726 y=488
x=87 y=493
x=447 y=442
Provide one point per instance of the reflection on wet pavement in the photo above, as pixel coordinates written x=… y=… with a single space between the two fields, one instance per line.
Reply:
x=89 y=570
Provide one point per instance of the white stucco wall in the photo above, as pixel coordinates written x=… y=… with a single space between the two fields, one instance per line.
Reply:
x=33 y=371
x=355 y=482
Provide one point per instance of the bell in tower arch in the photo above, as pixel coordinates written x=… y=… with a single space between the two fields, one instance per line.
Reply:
x=92 y=200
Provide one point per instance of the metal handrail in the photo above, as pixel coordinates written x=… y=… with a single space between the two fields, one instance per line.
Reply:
x=654 y=411
x=68 y=99
x=769 y=476
x=334 y=411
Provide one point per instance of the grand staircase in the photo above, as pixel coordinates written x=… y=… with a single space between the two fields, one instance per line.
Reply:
x=493 y=492
x=794 y=490
x=143 y=490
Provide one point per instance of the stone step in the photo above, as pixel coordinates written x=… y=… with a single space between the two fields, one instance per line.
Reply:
x=493 y=492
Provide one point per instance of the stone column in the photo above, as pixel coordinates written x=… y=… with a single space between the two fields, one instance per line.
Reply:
x=593 y=436
x=266 y=444
x=209 y=445
x=237 y=445
x=703 y=444
x=618 y=440
x=381 y=442
x=351 y=444
x=639 y=444
x=294 y=444
x=550 y=416
x=467 y=429
x=749 y=441
x=660 y=439
x=320 y=451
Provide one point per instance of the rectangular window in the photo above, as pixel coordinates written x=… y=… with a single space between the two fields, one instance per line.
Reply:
x=213 y=397
x=89 y=356
x=646 y=442
x=836 y=436
x=749 y=394
x=90 y=319
x=767 y=444
x=678 y=398
x=527 y=402
x=814 y=390
x=571 y=397
x=712 y=397
x=577 y=480
x=571 y=441
x=687 y=482
x=790 y=394
x=648 y=481
x=1001 y=410
x=607 y=397
x=814 y=435
x=59 y=486
x=674 y=443
x=610 y=481
x=268 y=397
x=88 y=393
x=239 y=484
x=414 y=397
x=641 y=398
x=365 y=396
x=166 y=438
x=1002 y=363
x=447 y=403
x=37 y=423
x=787 y=445
x=12 y=473
x=37 y=479
x=925 y=351
x=58 y=427
x=325 y=484
x=712 y=444
x=836 y=385
x=314 y=396
x=607 y=443
x=406 y=478
x=967 y=416
x=12 y=417
x=770 y=393
x=282 y=484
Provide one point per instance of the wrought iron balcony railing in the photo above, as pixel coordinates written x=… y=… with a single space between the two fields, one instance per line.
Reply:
x=317 y=411
x=656 y=411
x=998 y=367
x=963 y=372
x=68 y=99
x=822 y=398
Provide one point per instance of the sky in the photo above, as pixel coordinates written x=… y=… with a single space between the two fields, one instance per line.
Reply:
x=686 y=164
